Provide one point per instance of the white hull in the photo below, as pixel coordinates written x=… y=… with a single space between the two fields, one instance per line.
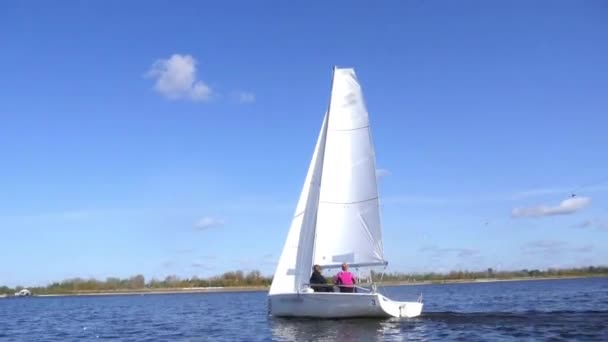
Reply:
x=339 y=305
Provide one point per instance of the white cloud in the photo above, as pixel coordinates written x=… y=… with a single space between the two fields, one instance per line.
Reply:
x=176 y=79
x=208 y=222
x=569 y=206
x=381 y=173
x=244 y=96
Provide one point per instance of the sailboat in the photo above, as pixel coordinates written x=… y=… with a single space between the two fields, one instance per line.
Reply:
x=337 y=218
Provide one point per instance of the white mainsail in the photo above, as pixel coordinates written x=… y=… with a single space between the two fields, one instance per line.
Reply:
x=348 y=225
x=295 y=264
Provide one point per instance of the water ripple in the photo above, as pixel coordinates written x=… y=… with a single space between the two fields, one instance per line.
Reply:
x=513 y=311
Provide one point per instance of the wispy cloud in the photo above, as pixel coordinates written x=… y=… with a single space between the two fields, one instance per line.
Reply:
x=585 y=224
x=473 y=199
x=182 y=251
x=558 y=190
x=440 y=252
x=602 y=225
x=553 y=247
x=538 y=192
x=568 y=206
x=73 y=215
x=381 y=173
x=419 y=199
x=263 y=262
x=258 y=204
x=244 y=96
x=70 y=216
x=592 y=224
x=208 y=222
x=176 y=78
x=207 y=264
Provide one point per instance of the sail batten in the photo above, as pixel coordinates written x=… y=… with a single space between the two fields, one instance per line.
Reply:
x=354 y=265
x=348 y=129
x=361 y=201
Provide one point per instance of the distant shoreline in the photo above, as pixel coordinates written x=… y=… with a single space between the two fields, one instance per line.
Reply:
x=161 y=291
x=265 y=288
x=486 y=280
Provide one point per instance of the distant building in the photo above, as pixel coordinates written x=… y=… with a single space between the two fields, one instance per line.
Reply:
x=23 y=293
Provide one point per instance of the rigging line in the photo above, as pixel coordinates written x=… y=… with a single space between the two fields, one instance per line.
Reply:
x=370 y=236
x=356 y=202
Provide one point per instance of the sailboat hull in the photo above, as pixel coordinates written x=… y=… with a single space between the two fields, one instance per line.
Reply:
x=339 y=305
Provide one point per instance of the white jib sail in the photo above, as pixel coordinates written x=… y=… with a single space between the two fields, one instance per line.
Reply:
x=348 y=227
x=295 y=264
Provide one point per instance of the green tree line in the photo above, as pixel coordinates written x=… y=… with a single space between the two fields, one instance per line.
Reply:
x=492 y=274
x=255 y=278
x=138 y=283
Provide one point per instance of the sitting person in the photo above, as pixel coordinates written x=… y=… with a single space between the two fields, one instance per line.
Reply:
x=345 y=280
x=318 y=282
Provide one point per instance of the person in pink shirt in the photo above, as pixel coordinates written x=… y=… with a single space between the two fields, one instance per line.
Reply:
x=345 y=280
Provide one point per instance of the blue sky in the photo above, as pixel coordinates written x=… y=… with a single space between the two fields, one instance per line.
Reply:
x=163 y=138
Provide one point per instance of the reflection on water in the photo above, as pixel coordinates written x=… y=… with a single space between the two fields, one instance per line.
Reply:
x=361 y=329
x=440 y=326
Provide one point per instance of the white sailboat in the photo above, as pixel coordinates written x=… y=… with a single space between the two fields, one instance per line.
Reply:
x=337 y=217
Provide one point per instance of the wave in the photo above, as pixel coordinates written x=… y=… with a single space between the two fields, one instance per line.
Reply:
x=503 y=317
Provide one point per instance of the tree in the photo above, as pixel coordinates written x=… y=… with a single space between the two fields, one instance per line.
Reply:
x=137 y=282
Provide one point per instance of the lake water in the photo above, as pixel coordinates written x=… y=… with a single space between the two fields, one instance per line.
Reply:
x=567 y=309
